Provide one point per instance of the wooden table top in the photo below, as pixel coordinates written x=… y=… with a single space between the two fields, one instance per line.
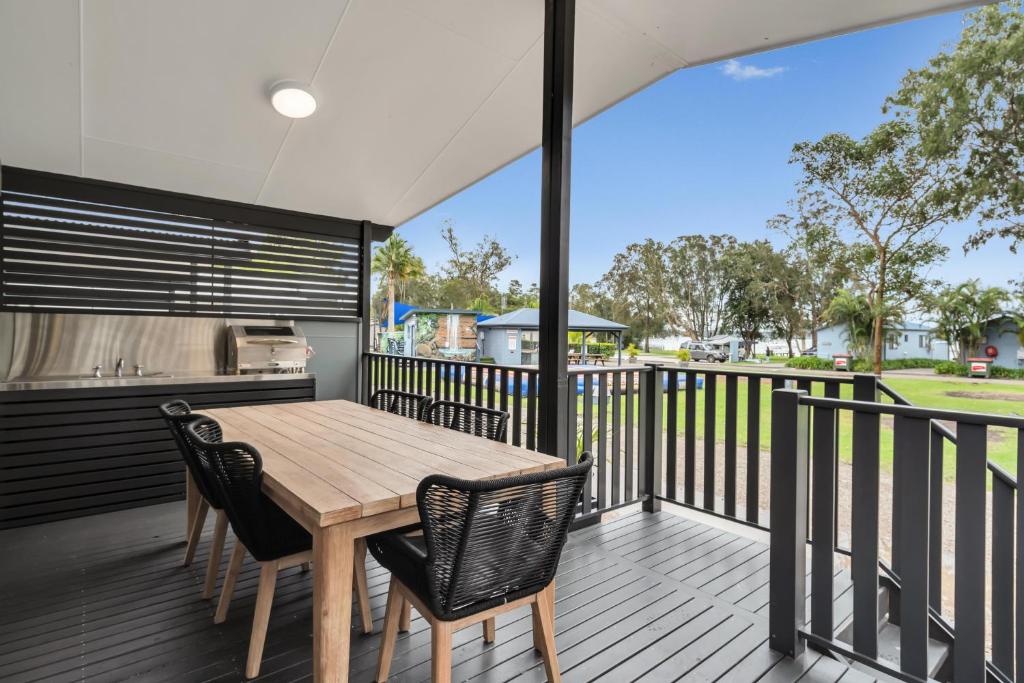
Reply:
x=335 y=461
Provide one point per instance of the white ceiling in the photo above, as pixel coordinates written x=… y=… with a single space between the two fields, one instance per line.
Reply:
x=417 y=99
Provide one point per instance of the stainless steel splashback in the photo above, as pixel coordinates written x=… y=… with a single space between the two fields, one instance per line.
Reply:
x=63 y=345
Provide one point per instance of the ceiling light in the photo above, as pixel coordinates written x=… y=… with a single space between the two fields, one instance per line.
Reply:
x=292 y=100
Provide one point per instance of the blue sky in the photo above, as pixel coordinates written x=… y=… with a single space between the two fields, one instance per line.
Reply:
x=706 y=150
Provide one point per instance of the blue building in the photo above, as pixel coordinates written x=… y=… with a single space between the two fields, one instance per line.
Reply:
x=909 y=340
x=512 y=338
x=1003 y=335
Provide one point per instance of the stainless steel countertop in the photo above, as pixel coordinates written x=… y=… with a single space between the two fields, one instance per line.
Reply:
x=104 y=382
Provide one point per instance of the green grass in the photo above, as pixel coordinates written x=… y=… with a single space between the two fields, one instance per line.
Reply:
x=989 y=397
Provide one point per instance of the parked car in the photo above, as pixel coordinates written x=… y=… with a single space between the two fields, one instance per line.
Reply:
x=813 y=351
x=699 y=351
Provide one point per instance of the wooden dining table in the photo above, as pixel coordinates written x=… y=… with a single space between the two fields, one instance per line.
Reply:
x=345 y=471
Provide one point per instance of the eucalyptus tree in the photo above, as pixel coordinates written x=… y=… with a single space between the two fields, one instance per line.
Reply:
x=967 y=105
x=638 y=284
x=890 y=202
x=698 y=277
x=820 y=259
x=755 y=272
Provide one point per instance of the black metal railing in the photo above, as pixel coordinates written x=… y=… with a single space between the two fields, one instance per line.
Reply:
x=607 y=413
x=803 y=448
x=692 y=473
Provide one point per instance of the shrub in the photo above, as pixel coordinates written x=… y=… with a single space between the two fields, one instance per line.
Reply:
x=632 y=352
x=683 y=355
x=606 y=349
x=866 y=365
x=1006 y=373
x=808 y=363
x=948 y=367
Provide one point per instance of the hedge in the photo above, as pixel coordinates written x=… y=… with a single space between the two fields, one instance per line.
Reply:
x=861 y=364
x=960 y=370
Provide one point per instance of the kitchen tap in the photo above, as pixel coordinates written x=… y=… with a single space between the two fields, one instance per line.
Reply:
x=119 y=368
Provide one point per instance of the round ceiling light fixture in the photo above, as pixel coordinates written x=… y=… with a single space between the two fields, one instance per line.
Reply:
x=292 y=99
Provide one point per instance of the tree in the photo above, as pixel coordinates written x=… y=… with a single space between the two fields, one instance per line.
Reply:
x=885 y=194
x=638 y=285
x=963 y=311
x=395 y=262
x=753 y=270
x=592 y=299
x=853 y=311
x=820 y=259
x=697 y=277
x=478 y=267
x=968 y=106
x=518 y=297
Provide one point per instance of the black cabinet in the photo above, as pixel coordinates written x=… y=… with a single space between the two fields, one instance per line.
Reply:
x=75 y=452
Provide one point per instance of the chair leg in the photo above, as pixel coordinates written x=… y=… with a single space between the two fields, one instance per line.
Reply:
x=544 y=618
x=234 y=567
x=392 y=614
x=406 y=621
x=261 y=617
x=196 y=532
x=489 y=630
x=220 y=531
x=441 y=652
x=537 y=644
x=361 y=587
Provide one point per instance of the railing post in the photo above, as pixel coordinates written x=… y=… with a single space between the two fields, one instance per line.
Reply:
x=787 y=592
x=650 y=442
x=864 y=520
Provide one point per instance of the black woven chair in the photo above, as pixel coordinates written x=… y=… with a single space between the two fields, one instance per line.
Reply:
x=262 y=528
x=178 y=414
x=477 y=420
x=487 y=547
x=400 y=402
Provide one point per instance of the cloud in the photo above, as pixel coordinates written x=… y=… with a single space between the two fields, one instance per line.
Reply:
x=744 y=72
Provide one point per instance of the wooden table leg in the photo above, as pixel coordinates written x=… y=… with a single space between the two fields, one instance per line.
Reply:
x=192 y=499
x=333 y=554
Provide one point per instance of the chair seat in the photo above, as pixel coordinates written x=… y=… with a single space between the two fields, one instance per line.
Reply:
x=282 y=536
x=403 y=552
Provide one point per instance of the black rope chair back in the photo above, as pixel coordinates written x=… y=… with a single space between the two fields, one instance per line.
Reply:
x=477 y=420
x=494 y=541
x=236 y=470
x=178 y=414
x=400 y=402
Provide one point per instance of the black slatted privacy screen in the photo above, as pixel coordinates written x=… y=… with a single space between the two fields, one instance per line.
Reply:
x=66 y=254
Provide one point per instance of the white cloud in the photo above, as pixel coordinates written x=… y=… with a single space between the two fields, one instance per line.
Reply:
x=744 y=72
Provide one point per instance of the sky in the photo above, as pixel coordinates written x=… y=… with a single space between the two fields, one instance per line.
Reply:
x=706 y=150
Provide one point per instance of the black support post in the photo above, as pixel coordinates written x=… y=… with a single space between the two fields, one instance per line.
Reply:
x=366 y=252
x=787 y=591
x=556 y=143
x=650 y=437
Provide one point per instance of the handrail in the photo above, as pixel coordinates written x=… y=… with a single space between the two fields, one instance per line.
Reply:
x=915 y=411
x=788 y=373
x=948 y=434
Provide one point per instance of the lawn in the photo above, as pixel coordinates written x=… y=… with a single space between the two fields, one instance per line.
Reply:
x=991 y=397
x=995 y=396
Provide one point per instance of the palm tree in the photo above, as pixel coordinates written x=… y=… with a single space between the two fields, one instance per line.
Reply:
x=395 y=262
x=854 y=312
x=963 y=312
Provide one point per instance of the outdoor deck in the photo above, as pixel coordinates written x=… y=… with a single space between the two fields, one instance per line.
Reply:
x=653 y=597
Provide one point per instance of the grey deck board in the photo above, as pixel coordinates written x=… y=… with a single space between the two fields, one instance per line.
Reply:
x=642 y=597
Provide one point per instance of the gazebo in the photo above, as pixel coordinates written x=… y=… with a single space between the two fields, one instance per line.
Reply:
x=512 y=338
